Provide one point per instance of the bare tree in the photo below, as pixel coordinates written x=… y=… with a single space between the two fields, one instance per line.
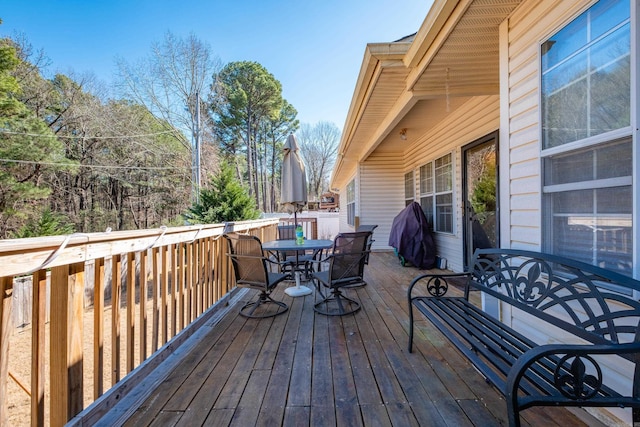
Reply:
x=318 y=146
x=168 y=83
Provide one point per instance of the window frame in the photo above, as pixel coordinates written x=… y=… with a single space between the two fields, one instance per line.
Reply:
x=351 y=203
x=409 y=187
x=548 y=190
x=431 y=194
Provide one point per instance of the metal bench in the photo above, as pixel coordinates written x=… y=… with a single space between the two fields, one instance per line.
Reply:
x=591 y=308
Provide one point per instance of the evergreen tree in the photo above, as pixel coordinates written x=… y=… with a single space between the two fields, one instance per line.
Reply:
x=224 y=200
x=26 y=147
x=245 y=94
x=49 y=224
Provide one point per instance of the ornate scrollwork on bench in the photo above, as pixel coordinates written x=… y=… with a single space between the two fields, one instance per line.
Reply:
x=437 y=286
x=567 y=313
x=577 y=383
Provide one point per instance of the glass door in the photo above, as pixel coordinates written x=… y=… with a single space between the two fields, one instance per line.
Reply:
x=480 y=181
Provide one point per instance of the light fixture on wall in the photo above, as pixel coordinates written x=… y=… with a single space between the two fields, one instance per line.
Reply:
x=403 y=134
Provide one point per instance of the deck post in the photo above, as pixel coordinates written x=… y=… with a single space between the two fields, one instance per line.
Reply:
x=67 y=292
x=6 y=294
x=38 y=321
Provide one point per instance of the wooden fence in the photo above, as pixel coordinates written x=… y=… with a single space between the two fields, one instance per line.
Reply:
x=143 y=288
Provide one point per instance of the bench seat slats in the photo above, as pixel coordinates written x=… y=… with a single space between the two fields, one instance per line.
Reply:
x=510 y=344
x=481 y=347
x=499 y=345
x=491 y=346
x=588 y=302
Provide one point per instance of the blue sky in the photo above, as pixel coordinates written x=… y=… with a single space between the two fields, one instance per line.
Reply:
x=314 y=48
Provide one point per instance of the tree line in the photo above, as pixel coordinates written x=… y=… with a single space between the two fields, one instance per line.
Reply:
x=75 y=159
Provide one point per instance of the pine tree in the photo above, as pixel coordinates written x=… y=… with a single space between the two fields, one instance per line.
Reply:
x=26 y=146
x=49 y=224
x=224 y=200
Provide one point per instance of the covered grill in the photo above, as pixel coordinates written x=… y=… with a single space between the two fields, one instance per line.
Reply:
x=411 y=237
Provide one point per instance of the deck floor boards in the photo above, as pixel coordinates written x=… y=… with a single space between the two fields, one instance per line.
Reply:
x=303 y=368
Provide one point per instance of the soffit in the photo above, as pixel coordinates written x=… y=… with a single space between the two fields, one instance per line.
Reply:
x=383 y=96
x=467 y=62
x=452 y=56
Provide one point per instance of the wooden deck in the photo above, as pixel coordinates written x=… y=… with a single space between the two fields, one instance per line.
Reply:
x=303 y=368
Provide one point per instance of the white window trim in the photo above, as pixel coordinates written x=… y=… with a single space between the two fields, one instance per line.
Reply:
x=434 y=194
x=632 y=132
x=351 y=221
x=413 y=186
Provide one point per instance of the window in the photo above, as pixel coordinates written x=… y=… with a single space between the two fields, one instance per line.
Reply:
x=351 y=203
x=436 y=193
x=586 y=138
x=408 y=188
x=426 y=192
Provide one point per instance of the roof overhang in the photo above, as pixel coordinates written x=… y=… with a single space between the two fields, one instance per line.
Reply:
x=405 y=84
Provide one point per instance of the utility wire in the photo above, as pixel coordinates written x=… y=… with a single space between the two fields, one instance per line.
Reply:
x=29 y=162
x=41 y=135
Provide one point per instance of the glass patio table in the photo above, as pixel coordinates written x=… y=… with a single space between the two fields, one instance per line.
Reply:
x=313 y=245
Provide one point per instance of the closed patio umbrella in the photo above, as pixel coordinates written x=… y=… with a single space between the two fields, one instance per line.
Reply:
x=293 y=184
x=293 y=194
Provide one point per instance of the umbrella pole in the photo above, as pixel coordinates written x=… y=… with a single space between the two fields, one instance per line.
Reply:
x=297 y=290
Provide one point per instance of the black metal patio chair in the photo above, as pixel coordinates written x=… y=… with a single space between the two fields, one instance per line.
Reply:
x=250 y=269
x=369 y=229
x=288 y=261
x=345 y=267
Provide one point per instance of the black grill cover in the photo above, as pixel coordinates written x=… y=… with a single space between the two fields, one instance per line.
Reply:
x=411 y=237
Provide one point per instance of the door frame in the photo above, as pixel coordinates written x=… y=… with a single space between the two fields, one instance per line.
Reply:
x=466 y=229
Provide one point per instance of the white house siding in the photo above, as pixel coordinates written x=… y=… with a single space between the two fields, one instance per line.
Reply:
x=529 y=25
x=477 y=117
x=381 y=194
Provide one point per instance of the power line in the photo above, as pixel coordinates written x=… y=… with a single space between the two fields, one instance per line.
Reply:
x=41 y=135
x=29 y=162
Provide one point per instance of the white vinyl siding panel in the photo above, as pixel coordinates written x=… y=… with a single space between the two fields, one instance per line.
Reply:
x=381 y=195
x=531 y=23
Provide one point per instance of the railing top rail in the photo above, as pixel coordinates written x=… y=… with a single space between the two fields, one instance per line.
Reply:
x=23 y=256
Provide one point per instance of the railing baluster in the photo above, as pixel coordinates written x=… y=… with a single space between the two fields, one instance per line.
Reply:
x=142 y=327
x=159 y=274
x=98 y=328
x=6 y=326
x=174 y=294
x=116 y=289
x=189 y=283
x=67 y=289
x=131 y=309
x=197 y=269
x=38 y=320
x=165 y=296
x=181 y=285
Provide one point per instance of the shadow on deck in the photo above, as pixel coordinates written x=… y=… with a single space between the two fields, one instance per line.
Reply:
x=303 y=368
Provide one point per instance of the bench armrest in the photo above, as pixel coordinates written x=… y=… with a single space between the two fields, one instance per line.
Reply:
x=583 y=378
x=437 y=284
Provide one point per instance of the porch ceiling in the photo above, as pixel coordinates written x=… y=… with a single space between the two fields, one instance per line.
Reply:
x=453 y=55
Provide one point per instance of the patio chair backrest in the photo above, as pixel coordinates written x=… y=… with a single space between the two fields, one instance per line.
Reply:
x=366 y=227
x=347 y=257
x=287 y=232
x=249 y=263
x=370 y=229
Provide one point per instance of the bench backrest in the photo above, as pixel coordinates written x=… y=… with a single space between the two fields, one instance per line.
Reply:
x=566 y=293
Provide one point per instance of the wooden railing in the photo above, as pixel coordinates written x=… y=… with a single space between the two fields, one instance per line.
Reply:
x=104 y=302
